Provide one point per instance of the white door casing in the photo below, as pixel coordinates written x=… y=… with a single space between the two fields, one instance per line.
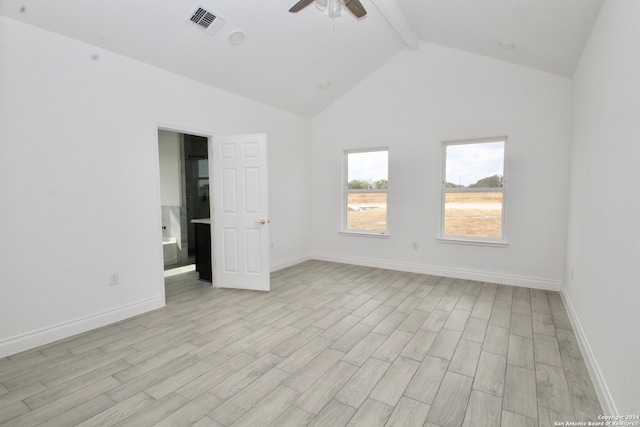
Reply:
x=240 y=226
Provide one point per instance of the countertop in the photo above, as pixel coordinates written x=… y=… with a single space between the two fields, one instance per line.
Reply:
x=201 y=221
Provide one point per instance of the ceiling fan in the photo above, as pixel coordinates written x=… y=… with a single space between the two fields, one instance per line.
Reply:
x=334 y=7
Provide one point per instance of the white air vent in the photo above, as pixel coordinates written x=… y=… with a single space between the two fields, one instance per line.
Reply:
x=206 y=20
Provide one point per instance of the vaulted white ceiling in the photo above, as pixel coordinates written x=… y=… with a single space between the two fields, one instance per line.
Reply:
x=303 y=62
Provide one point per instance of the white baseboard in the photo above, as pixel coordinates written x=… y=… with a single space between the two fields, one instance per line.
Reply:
x=57 y=332
x=604 y=395
x=289 y=262
x=53 y=333
x=457 y=273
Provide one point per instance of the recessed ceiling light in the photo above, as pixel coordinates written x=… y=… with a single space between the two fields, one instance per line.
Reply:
x=324 y=85
x=236 y=38
x=505 y=44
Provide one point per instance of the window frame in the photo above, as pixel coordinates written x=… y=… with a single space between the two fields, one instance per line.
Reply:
x=472 y=240
x=346 y=191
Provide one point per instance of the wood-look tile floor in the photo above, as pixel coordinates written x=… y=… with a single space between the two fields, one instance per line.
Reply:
x=330 y=345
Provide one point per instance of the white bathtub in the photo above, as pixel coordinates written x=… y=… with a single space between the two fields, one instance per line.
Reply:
x=170 y=250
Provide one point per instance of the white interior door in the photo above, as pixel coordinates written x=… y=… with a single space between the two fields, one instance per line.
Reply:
x=240 y=226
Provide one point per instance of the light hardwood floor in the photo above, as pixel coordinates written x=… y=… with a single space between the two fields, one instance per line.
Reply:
x=330 y=345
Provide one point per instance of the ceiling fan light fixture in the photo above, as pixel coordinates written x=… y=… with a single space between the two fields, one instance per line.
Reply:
x=335 y=7
x=321 y=5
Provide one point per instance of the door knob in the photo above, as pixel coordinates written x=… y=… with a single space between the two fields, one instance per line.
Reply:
x=262 y=221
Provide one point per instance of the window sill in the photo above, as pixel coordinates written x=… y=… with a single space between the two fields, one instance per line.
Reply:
x=374 y=234
x=491 y=243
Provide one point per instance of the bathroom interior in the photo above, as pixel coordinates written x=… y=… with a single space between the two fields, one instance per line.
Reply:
x=184 y=194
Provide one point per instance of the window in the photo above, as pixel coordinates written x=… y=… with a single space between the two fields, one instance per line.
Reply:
x=365 y=191
x=473 y=191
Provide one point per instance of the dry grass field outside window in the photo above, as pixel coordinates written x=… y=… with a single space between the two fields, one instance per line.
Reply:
x=470 y=214
x=367 y=211
x=473 y=214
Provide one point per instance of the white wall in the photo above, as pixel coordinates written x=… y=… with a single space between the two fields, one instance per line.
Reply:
x=413 y=103
x=603 y=246
x=170 y=170
x=79 y=180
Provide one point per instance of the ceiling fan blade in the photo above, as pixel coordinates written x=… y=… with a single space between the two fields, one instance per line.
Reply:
x=355 y=7
x=300 y=5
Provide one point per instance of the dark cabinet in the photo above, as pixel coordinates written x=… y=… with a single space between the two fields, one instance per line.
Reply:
x=203 y=250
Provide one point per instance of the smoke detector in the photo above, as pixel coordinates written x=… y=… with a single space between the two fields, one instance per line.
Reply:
x=206 y=20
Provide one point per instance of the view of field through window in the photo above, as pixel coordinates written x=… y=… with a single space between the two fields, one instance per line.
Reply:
x=466 y=214
x=474 y=190
x=367 y=184
x=367 y=211
x=473 y=214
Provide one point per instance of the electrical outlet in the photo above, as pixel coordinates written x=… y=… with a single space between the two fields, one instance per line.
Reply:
x=114 y=278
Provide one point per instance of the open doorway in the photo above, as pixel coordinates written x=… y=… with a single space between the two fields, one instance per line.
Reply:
x=237 y=248
x=184 y=194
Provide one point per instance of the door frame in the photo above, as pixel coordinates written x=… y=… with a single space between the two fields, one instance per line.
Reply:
x=210 y=135
x=188 y=131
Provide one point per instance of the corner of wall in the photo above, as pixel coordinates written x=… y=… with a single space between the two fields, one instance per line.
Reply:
x=604 y=395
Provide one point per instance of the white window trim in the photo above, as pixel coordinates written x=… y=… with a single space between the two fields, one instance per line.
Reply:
x=470 y=240
x=345 y=192
x=364 y=233
x=473 y=242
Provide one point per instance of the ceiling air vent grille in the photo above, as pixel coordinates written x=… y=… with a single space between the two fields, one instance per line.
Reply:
x=206 y=20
